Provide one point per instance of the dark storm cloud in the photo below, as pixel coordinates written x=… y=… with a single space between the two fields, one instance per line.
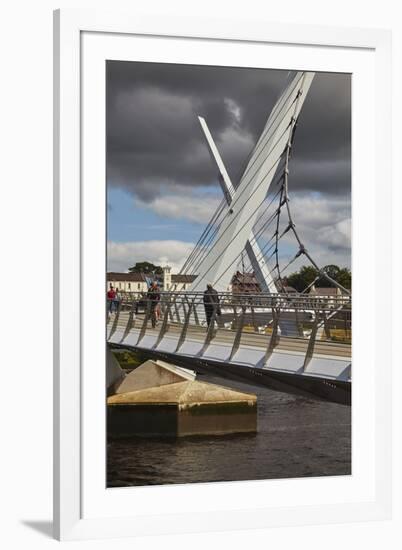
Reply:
x=154 y=138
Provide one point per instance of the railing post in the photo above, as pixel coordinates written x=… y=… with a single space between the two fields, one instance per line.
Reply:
x=239 y=330
x=311 y=342
x=273 y=341
x=185 y=326
x=210 y=331
x=163 y=329
x=130 y=323
x=326 y=325
x=196 y=318
x=115 y=320
x=145 y=322
x=177 y=312
x=297 y=318
x=170 y=311
x=253 y=316
x=184 y=301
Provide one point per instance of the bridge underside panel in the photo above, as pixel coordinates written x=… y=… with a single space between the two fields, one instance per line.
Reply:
x=149 y=340
x=330 y=368
x=132 y=338
x=249 y=356
x=286 y=362
x=320 y=366
x=218 y=352
x=168 y=343
x=191 y=348
x=117 y=336
x=278 y=379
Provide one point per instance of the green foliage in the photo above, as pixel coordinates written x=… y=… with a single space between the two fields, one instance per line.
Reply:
x=306 y=275
x=332 y=271
x=302 y=278
x=344 y=278
x=146 y=267
x=130 y=359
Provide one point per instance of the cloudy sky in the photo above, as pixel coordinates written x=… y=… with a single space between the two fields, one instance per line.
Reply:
x=162 y=184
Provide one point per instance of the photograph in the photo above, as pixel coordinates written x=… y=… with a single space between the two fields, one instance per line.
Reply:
x=228 y=280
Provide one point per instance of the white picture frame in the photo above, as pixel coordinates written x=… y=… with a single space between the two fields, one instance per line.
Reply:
x=83 y=507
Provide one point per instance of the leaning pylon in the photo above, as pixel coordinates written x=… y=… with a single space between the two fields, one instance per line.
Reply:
x=235 y=232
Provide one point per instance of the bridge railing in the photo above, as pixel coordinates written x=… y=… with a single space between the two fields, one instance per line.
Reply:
x=302 y=321
x=299 y=300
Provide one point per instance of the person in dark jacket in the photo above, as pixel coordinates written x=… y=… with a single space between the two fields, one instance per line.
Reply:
x=211 y=303
x=153 y=295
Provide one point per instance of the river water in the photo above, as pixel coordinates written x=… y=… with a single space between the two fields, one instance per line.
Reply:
x=297 y=437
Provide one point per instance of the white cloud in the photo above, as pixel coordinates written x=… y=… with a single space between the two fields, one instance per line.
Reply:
x=122 y=255
x=233 y=108
x=194 y=207
x=323 y=224
x=337 y=236
x=234 y=143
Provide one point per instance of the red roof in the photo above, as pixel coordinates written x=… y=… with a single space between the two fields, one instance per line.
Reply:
x=132 y=277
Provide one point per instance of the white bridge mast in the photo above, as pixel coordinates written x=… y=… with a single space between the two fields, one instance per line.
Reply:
x=252 y=247
x=235 y=232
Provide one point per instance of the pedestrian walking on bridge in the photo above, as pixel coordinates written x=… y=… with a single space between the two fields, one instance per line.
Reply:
x=111 y=296
x=153 y=295
x=211 y=303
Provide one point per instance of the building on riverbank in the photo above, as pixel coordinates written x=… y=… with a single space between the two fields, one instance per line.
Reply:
x=139 y=282
x=127 y=282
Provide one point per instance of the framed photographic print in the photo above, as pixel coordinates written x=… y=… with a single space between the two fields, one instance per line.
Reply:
x=216 y=193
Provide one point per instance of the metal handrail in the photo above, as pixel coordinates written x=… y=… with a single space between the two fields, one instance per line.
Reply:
x=295 y=301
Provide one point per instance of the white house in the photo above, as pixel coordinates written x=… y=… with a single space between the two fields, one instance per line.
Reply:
x=331 y=295
x=127 y=282
x=139 y=282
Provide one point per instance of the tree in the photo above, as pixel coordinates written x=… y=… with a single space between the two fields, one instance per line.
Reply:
x=146 y=267
x=332 y=271
x=302 y=278
x=344 y=278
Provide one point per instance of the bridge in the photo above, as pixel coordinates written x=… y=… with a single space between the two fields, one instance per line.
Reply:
x=296 y=343
x=293 y=342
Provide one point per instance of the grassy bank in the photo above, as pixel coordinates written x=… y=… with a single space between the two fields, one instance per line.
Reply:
x=130 y=359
